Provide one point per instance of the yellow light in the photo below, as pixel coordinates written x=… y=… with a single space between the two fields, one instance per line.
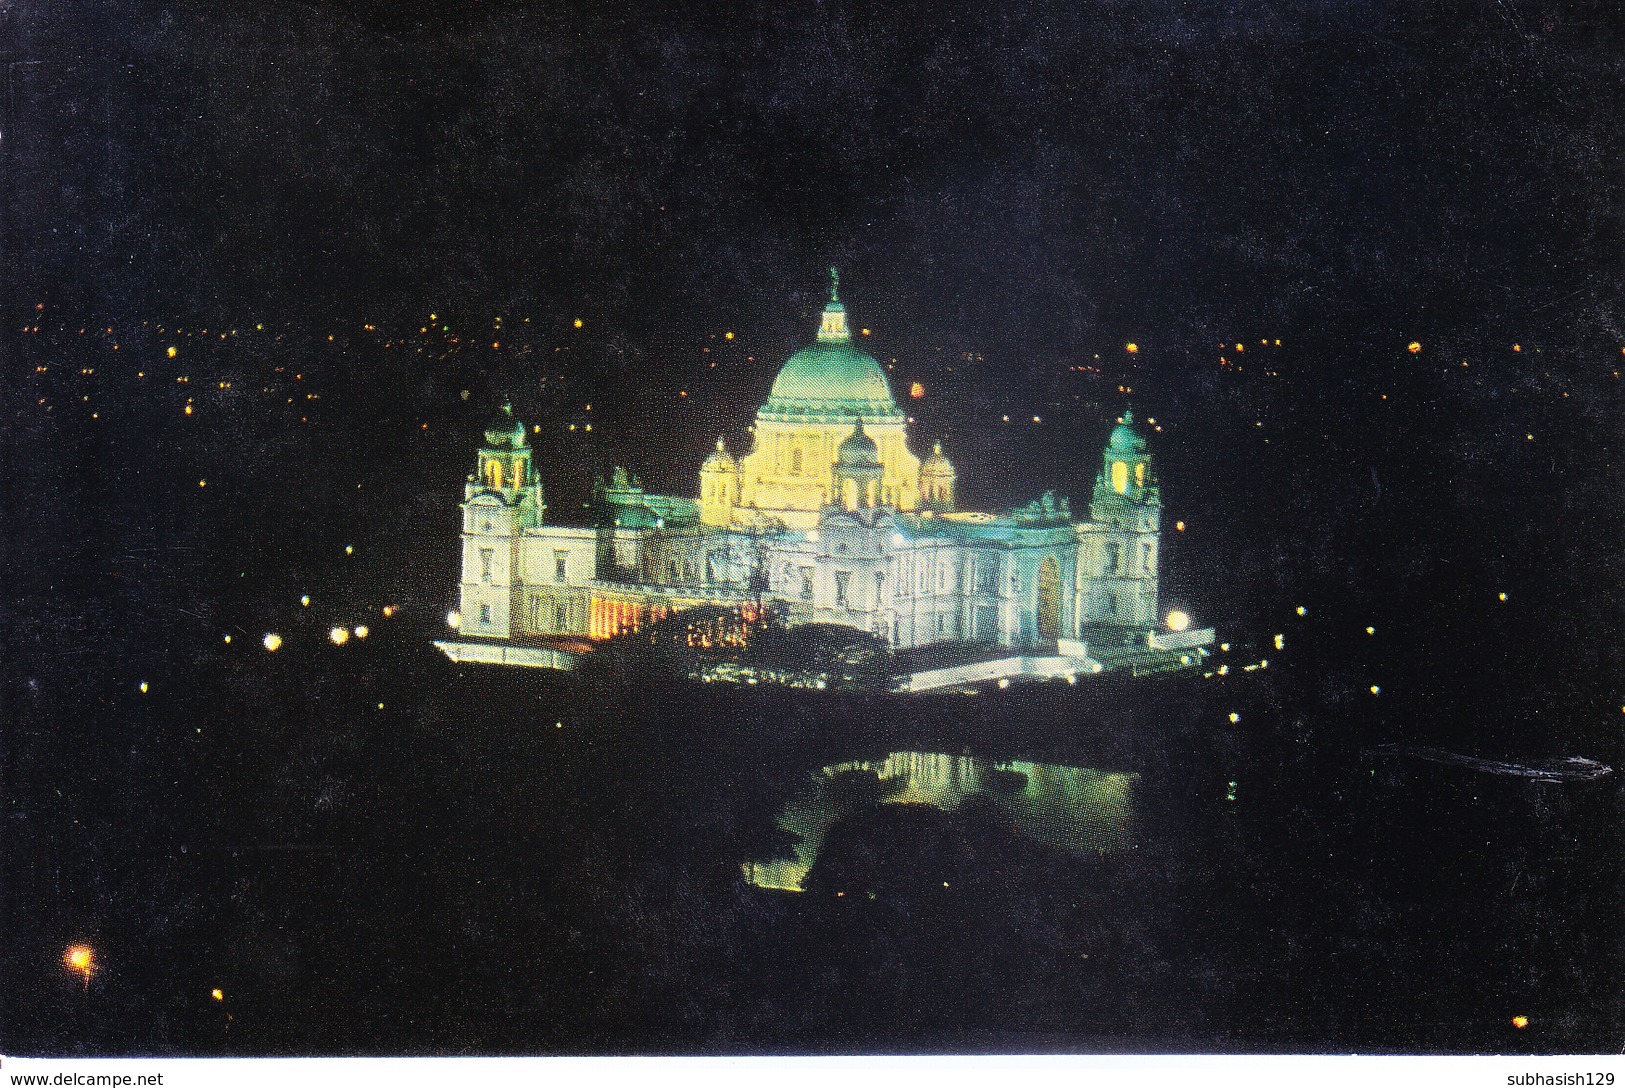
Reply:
x=304 y=601
x=388 y=610
x=1178 y=620
x=454 y=620
x=1280 y=642
x=273 y=642
x=1370 y=630
x=1517 y=347
x=203 y=483
x=1502 y=596
x=217 y=994
x=1414 y=347
x=188 y=409
x=865 y=332
x=1131 y=347
x=349 y=549
x=362 y=630
x=917 y=390
x=143 y=687
x=727 y=336
x=173 y=351
x=1376 y=690
x=1302 y=611
x=1179 y=526
x=339 y=636
x=1234 y=717
x=433 y=317
x=228 y=638
x=578 y=322
x=80 y=958
x=1520 y=1022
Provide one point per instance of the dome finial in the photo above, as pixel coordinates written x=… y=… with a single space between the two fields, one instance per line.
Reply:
x=834 y=284
x=721 y=447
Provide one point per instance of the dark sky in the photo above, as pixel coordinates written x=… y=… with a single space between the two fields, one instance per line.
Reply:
x=1033 y=175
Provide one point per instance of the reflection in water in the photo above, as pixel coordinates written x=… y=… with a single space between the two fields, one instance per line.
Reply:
x=1074 y=809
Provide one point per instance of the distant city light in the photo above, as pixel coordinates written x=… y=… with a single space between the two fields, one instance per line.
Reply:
x=362 y=630
x=143 y=687
x=1376 y=689
x=454 y=620
x=578 y=322
x=1131 y=347
x=1414 y=347
x=917 y=390
x=1234 y=717
x=1280 y=642
x=1520 y=1022
x=217 y=994
x=305 y=601
x=1370 y=630
x=388 y=610
x=272 y=642
x=1178 y=620
x=349 y=549
x=339 y=636
x=1179 y=526
x=1302 y=611
x=1502 y=596
x=172 y=352
x=727 y=336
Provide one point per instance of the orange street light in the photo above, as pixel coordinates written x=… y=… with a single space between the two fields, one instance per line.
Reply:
x=80 y=957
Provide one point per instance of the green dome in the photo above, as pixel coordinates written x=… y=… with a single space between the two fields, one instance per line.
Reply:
x=505 y=432
x=832 y=379
x=1125 y=438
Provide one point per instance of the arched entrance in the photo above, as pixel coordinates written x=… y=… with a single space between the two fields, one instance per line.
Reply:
x=1049 y=599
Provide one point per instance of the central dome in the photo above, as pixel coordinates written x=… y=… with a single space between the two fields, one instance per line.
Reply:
x=831 y=380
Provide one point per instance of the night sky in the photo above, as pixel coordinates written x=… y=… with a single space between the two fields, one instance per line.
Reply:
x=1368 y=255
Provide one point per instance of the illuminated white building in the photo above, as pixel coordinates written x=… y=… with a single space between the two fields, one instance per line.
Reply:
x=830 y=517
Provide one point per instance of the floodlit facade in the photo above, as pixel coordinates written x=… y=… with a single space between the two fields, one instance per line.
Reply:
x=830 y=517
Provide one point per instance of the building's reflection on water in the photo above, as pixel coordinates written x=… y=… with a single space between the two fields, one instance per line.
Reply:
x=1074 y=809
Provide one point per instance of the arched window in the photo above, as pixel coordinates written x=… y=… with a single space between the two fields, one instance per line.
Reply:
x=1139 y=474
x=795 y=461
x=1120 y=477
x=493 y=473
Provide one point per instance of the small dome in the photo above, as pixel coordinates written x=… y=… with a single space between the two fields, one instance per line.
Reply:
x=505 y=432
x=720 y=460
x=936 y=464
x=857 y=448
x=1125 y=438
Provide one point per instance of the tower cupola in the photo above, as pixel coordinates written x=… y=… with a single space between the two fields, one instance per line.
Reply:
x=937 y=480
x=857 y=470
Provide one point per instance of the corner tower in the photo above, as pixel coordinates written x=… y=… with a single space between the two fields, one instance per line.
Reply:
x=1119 y=546
x=500 y=501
